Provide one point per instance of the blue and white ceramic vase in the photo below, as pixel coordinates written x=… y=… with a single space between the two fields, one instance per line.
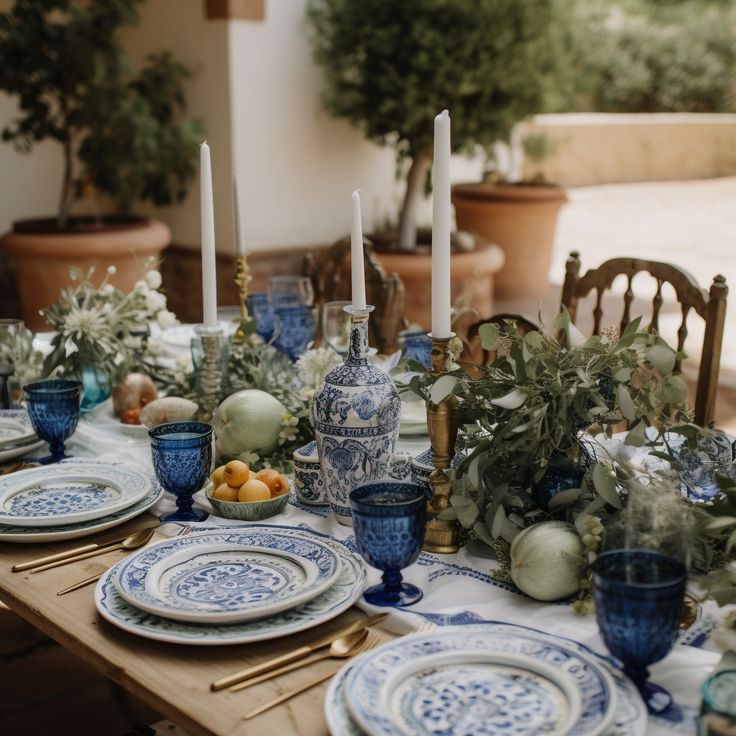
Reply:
x=356 y=414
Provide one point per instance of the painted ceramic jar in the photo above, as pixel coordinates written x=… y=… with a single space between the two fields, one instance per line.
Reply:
x=310 y=488
x=421 y=469
x=356 y=414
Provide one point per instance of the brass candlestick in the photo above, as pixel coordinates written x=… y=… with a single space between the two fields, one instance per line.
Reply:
x=440 y=535
x=242 y=279
x=209 y=355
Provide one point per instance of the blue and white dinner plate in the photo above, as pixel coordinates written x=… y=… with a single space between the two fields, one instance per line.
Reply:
x=227 y=577
x=630 y=716
x=453 y=680
x=70 y=493
x=15 y=428
x=347 y=588
x=37 y=535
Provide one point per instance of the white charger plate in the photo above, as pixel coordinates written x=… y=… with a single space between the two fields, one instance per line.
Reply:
x=335 y=600
x=15 y=428
x=13 y=451
x=36 y=535
x=421 y=684
x=69 y=493
x=227 y=577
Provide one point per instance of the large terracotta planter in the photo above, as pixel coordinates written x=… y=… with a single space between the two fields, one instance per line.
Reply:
x=521 y=219
x=472 y=279
x=42 y=257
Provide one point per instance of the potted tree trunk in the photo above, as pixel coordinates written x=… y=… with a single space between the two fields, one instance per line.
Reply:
x=122 y=138
x=391 y=67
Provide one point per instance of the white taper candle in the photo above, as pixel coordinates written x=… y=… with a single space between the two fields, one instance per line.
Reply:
x=239 y=242
x=207 y=213
x=357 y=270
x=441 y=227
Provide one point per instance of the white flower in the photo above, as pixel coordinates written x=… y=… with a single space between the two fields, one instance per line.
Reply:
x=133 y=342
x=155 y=301
x=141 y=287
x=70 y=347
x=111 y=270
x=315 y=364
x=107 y=289
x=166 y=319
x=153 y=279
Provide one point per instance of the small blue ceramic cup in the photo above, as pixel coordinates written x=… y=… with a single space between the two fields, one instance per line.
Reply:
x=53 y=406
x=295 y=328
x=182 y=456
x=308 y=481
x=638 y=597
x=388 y=519
x=417 y=345
x=259 y=307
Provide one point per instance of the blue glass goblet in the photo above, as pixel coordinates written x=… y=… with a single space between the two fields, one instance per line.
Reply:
x=638 y=597
x=182 y=455
x=295 y=328
x=53 y=406
x=389 y=529
x=259 y=307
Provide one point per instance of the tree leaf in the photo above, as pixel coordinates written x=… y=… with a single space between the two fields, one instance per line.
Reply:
x=637 y=437
x=482 y=533
x=479 y=548
x=717 y=525
x=512 y=400
x=498 y=521
x=662 y=357
x=604 y=482
x=442 y=388
x=467 y=510
x=625 y=402
x=674 y=390
x=564 y=499
x=731 y=541
x=489 y=335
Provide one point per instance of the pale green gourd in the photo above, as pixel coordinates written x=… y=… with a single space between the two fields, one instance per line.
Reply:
x=548 y=560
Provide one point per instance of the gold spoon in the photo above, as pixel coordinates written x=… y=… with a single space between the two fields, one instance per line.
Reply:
x=345 y=646
x=134 y=541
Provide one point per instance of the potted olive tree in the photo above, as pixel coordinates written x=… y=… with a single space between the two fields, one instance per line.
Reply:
x=122 y=136
x=391 y=67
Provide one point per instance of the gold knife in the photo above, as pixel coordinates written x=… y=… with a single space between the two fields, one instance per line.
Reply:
x=295 y=654
x=20 y=567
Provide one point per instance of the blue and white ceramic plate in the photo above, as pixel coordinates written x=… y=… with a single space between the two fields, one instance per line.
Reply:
x=432 y=683
x=338 y=598
x=227 y=577
x=15 y=428
x=630 y=717
x=70 y=493
x=10 y=452
x=36 y=535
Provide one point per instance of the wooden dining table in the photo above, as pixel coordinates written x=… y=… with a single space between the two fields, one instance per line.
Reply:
x=172 y=679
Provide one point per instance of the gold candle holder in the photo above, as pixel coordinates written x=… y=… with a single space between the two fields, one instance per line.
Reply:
x=440 y=535
x=242 y=279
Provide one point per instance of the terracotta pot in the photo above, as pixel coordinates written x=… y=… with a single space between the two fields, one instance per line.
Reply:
x=42 y=256
x=472 y=278
x=521 y=219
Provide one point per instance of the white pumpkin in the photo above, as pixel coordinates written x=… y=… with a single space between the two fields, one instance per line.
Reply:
x=248 y=421
x=548 y=560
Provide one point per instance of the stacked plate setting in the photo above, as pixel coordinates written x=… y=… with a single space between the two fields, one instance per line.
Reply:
x=72 y=499
x=486 y=679
x=231 y=585
x=17 y=437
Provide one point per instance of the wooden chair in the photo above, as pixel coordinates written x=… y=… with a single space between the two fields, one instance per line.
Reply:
x=329 y=271
x=710 y=305
x=472 y=349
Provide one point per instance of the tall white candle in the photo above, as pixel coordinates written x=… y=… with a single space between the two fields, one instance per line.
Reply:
x=207 y=210
x=356 y=255
x=441 y=227
x=239 y=242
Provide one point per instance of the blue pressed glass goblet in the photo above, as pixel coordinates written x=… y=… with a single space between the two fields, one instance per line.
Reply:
x=182 y=455
x=259 y=307
x=295 y=328
x=53 y=406
x=638 y=597
x=389 y=529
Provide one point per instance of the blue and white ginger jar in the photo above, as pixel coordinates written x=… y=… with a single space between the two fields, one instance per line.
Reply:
x=356 y=414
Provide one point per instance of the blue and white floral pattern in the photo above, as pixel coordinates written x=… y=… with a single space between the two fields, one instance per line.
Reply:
x=15 y=428
x=356 y=415
x=227 y=577
x=70 y=492
x=371 y=687
x=310 y=487
x=421 y=469
x=338 y=598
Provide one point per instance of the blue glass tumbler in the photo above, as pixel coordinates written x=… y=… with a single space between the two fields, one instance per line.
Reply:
x=638 y=597
x=259 y=307
x=295 y=328
x=389 y=529
x=182 y=456
x=53 y=406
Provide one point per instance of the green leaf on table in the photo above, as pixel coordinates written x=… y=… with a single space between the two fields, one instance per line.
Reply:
x=604 y=482
x=731 y=541
x=625 y=402
x=466 y=509
x=498 y=522
x=622 y=375
x=448 y=514
x=718 y=525
x=442 y=388
x=564 y=499
x=489 y=335
x=662 y=357
x=637 y=437
x=674 y=390
x=479 y=548
x=479 y=528
x=512 y=400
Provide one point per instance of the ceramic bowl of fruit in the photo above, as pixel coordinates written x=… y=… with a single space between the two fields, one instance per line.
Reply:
x=236 y=492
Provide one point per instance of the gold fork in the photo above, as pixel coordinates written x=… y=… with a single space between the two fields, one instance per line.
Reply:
x=370 y=643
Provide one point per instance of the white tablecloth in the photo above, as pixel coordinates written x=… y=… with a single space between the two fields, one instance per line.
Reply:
x=458 y=588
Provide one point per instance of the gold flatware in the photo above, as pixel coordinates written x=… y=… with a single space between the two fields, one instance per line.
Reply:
x=131 y=542
x=370 y=643
x=22 y=566
x=295 y=654
x=345 y=646
x=82 y=583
